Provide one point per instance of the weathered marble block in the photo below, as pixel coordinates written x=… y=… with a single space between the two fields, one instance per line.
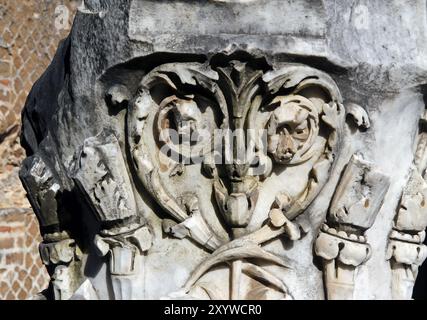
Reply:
x=220 y=149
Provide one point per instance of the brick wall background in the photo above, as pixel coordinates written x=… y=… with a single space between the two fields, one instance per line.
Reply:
x=29 y=34
x=21 y=271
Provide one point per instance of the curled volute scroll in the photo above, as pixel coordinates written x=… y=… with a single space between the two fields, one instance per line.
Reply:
x=198 y=129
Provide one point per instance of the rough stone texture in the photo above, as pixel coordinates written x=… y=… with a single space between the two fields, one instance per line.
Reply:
x=338 y=208
x=28 y=40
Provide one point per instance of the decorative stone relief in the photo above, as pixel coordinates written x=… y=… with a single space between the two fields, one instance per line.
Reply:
x=101 y=175
x=243 y=155
x=406 y=250
x=341 y=242
x=301 y=112
x=58 y=251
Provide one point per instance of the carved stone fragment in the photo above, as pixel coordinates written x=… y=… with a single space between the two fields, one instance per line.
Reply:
x=212 y=152
x=341 y=242
x=406 y=250
x=58 y=251
x=101 y=174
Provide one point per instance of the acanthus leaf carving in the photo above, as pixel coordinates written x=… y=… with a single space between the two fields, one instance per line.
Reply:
x=190 y=149
x=64 y=257
x=300 y=110
x=233 y=153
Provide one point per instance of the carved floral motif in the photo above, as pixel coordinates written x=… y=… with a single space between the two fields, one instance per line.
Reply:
x=297 y=107
x=210 y=143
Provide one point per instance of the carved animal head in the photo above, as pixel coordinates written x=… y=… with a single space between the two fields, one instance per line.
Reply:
x=188 y=117
x=290 y=128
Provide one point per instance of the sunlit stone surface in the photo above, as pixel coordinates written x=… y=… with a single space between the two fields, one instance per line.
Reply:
x=256 y=149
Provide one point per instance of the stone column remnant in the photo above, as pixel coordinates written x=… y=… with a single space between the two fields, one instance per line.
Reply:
x=220 y=149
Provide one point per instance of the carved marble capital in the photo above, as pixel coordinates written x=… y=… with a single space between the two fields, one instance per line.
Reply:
x=205 y=157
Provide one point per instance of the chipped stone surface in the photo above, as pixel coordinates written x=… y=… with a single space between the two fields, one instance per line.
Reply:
x=310 y=209
x=29 y=35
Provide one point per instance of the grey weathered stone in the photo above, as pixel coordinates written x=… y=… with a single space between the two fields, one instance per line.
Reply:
x=326 y=79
